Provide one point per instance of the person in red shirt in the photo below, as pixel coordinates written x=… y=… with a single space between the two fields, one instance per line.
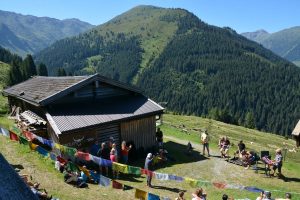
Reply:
x=124 y=152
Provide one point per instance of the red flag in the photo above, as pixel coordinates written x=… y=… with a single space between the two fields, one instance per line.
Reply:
x=28 y=135
x=83 y=156
x=117 y=185
x=219 y=185
x=61 y=160
x=13 y=136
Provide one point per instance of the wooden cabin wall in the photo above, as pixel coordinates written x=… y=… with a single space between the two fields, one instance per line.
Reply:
x=140 y=131
x=82 y=139
x=25 y=106
x=51 y=134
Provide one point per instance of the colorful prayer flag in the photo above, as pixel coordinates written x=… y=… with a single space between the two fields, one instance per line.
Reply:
x=117 y=185
x=253 y=189
x=153 y=197
x=83 y=156
x=140 y=194
x=70 y=151
x=42 y=151
x=161 y=176
x=28 y=135
x=53 y=156
x=105 y=163
x=71 y=166
x=219 y=185
x=23 y=140
x=13 y=136
x=104 y=181
x=175 y=178
x=48 y=142
x=15 y=129
x=61 y=160
x=134 y=170
x=120 y=167
x=191 y=182
x=32 y=146
x=127 y=187
x=203 y=183
x=4 y=132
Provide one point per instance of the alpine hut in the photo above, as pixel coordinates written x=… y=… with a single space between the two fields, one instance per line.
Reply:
x=296 y=134
x=81 y=109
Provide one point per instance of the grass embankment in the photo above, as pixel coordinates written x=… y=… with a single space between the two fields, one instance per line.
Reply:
x=195 y=166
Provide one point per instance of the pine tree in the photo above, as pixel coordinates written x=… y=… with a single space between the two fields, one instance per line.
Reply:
x=15 y=75
x=29 y=68
x=42 y=70
x=249 y=120
x=61 y=72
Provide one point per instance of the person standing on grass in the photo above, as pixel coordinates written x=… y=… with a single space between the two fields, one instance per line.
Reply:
x=159 y=137
x=205 y=142
x=277 y=162
x=124 y=152
x=149 y=166
x=199 y=195
x=180 y=196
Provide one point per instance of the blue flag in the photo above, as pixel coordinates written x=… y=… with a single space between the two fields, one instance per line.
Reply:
x=42 y=151
x=104 y=181
x=153 y=197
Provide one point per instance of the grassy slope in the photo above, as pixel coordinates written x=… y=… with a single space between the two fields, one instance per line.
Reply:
x=213 y=169
x=154 y=35
x=4 y=69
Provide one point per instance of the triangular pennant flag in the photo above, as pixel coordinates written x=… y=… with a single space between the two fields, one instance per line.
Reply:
x=127 y=187
x=83 y=156
x=104 y=181
x=140 y=194
x=120 y=167
x=134 y=170
x=13 y=136
x=42 y=151
x=153 y=197
x=23 y=140
x=117 y=185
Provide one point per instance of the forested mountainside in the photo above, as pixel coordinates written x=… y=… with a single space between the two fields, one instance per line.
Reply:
x=195 y=67
x=285 y=43
x=25 y=34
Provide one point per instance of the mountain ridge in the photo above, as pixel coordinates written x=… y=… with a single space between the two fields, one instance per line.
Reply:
x=285 y=43
x=197 y=68
x=29 y=34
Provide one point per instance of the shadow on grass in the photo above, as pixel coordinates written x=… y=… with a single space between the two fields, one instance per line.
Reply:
x=177 y=154
x=288 y=179
x=176 y=190
x=131 y=178
x=17 y=166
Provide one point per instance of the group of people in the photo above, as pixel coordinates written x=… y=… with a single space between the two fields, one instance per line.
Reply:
x=266 y=195
x=41 y=194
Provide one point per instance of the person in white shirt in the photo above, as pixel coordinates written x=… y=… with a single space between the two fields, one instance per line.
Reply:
x=205 y=142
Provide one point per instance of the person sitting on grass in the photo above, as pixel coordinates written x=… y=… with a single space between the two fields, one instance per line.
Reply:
x=241 y=149
x=180 y=196
x=41 y=195
x=277 y=163
x=249 y=158
x=268 y=196
x=189 y=148
x=225 y=144
x=199 y=195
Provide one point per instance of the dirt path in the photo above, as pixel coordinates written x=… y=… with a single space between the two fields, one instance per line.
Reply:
x=218 y=167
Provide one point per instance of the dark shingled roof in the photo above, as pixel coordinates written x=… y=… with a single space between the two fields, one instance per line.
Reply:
x=72 y=117
x=38 y=88
x=12 y=187
x=42 y=90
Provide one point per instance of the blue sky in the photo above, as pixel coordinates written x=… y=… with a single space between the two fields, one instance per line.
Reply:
x=241 y=15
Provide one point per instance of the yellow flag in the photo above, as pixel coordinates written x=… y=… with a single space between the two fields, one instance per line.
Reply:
x=33 y=146
x=140 y=194
x=120 y=167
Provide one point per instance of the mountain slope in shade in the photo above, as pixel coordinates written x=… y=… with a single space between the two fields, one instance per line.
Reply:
x=197 y=68
x=24 y=34
x=285 y=43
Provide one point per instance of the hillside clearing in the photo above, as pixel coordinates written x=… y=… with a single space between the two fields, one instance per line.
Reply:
x=196 y=166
